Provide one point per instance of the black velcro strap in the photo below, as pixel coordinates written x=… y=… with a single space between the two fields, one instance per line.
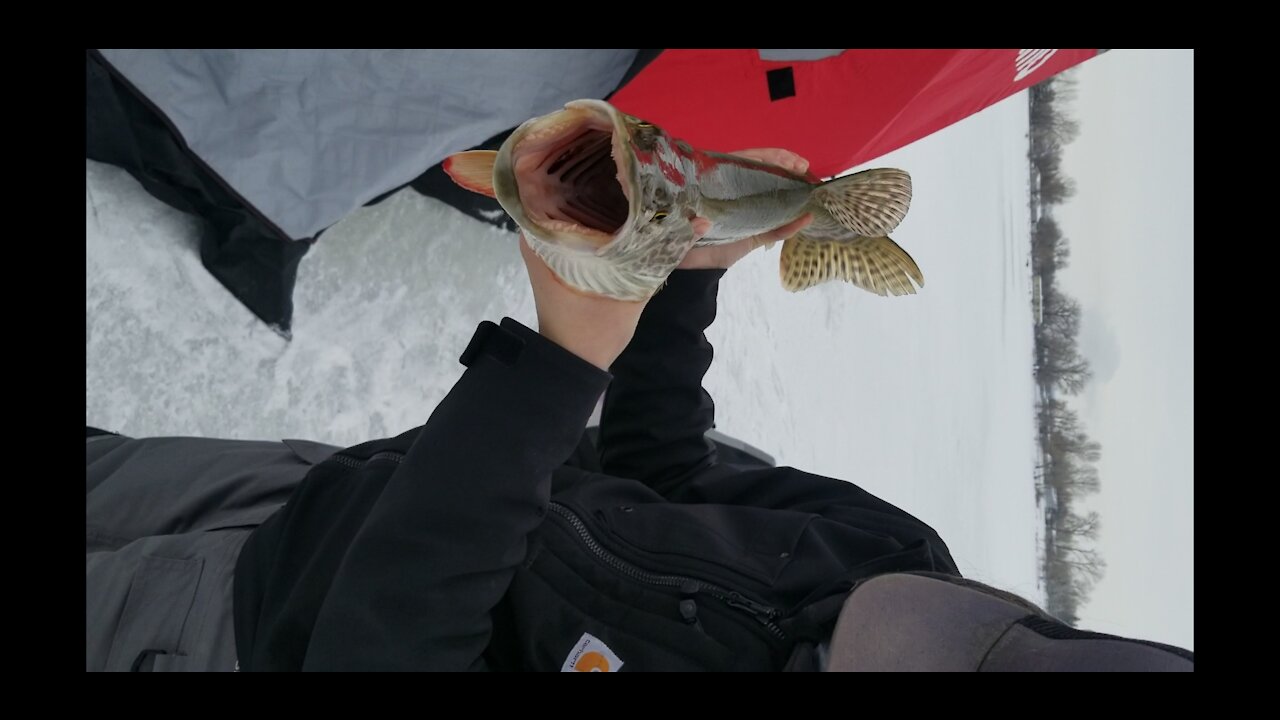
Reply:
x=494 y=341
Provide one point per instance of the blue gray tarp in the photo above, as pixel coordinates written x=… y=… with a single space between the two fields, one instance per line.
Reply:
x=291 y=141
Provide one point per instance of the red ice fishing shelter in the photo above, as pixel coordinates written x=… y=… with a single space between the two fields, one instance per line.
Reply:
x=838 y=108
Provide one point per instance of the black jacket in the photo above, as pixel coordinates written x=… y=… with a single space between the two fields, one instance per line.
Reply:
x=470 y=543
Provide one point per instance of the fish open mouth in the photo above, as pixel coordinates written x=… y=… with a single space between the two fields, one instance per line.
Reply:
x=568 y=177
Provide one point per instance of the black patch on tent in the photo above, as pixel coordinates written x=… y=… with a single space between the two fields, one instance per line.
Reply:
x=256 y=261
x=782 y=83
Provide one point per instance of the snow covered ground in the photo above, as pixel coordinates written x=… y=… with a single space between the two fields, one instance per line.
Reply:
x=925 y=400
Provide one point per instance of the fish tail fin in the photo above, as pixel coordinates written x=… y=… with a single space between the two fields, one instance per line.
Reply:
x=870 y=203
x=875 y=264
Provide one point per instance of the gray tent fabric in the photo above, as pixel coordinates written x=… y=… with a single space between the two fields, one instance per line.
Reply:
x=797 y=55
x=308 y=136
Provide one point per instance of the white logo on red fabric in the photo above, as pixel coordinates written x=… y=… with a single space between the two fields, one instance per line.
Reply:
x=1030 y=61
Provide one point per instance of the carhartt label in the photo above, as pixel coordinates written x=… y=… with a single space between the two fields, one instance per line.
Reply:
x=1030 y=61
x=590 y=654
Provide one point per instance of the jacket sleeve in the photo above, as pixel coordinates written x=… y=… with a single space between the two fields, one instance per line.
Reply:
x=656 y=413
x=442 y=541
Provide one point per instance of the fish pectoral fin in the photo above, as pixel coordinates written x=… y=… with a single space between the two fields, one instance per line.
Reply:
x=871 y=203
x=876 y=264
x=472 y=170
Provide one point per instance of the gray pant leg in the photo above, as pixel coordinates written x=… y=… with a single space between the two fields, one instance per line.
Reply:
x=165 y=520
x=136 y=488
x=163 y=603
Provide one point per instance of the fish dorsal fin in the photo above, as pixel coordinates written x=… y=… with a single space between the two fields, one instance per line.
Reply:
x=876 y=264
x=871 y=203
x=472 y=170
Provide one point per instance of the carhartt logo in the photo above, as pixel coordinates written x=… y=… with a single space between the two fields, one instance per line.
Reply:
x=590 y=654
x=1030 y=61
x=592 y=662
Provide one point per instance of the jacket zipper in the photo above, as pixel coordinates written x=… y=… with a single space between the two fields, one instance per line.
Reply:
x=687 y=586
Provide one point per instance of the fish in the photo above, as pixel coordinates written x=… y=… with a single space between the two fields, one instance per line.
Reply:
x=613 y=203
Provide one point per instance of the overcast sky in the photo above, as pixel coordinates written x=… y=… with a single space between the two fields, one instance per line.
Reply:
x=1130 y=232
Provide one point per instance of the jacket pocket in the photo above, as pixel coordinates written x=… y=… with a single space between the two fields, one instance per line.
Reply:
x=155 y=612
x=553 y=619
x=756 y=543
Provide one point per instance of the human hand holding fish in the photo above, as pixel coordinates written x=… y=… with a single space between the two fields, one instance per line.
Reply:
x=724 y=256
x=593 y=327
x=597 y=328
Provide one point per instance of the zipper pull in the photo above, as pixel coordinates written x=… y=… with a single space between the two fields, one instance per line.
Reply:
x=762 y=613
x=689 y=614
x=688 y=606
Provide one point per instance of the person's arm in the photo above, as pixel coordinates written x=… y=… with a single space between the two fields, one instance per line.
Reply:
x=656 y=412
x=442 y=541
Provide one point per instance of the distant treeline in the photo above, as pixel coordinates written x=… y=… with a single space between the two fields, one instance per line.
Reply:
x=1068 y=470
